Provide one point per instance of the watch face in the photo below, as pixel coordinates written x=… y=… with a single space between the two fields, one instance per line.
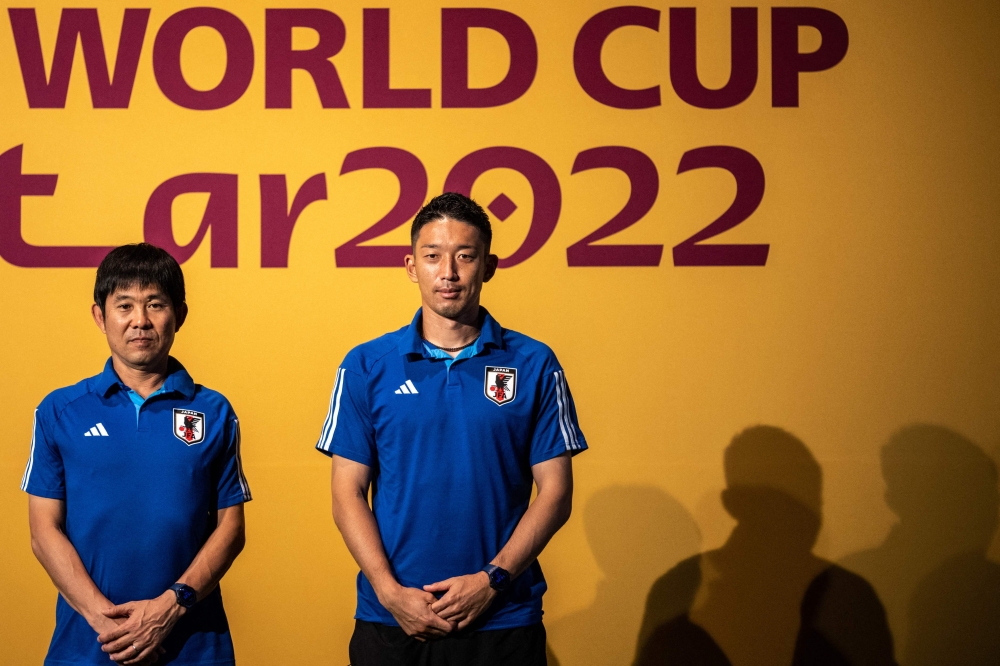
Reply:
x=186 y=595
x=500 y=578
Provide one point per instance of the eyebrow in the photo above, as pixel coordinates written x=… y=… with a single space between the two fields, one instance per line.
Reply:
x=119 y=297
x=435 y=246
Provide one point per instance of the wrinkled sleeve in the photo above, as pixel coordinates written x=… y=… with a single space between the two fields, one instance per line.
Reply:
x=44 y=475
x=557 y=430
x=348 y=430
x=232 y=487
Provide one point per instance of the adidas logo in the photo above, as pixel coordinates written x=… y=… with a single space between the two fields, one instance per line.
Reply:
x=407 y=389
x=97 y=431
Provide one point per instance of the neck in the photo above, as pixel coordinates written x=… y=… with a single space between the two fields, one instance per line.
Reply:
x=143 y=380
x=444 y=332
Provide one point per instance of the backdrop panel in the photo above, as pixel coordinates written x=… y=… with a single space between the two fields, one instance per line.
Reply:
x=718 y=217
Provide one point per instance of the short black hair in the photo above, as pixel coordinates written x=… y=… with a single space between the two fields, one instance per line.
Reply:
x=142 y=265
x=457 y=207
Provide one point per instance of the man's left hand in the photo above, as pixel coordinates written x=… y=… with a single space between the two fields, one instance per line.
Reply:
x=147 y=623
x=464 y=599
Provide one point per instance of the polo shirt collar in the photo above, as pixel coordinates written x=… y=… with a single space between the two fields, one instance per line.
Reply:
x=490 y=335
x=178 y=380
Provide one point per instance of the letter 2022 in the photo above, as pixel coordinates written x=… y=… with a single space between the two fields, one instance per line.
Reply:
x=277 y=218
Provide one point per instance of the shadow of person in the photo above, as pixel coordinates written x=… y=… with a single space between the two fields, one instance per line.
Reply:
x=763 y=598
x=632 y=531
x=941 y=593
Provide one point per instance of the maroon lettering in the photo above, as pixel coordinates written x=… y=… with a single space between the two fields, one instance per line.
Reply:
x=645 y=183
x=412 y=176
x=587 y=57
x=378 y=93
x=13 y=248
x=276 y=221
x=544 y=187
x=787 y=61
x=220 y=216
x=49 y=92
x=281 y=59
x=749 y=175
x=455 y=24
x=167 y=58
x=684 y=59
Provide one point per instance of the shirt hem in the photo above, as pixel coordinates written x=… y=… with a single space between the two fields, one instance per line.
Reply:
x=233 y=501
x=62 y=662
x=489 y=626
x=46 y=493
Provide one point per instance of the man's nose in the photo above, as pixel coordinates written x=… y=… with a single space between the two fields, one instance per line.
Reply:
x=140 y=318
x=449 y=269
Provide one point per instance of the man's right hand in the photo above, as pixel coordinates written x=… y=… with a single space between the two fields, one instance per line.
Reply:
x=412 y=609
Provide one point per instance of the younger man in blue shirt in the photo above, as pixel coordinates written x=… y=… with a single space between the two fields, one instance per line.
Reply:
x=450 y=421
x=136 y=487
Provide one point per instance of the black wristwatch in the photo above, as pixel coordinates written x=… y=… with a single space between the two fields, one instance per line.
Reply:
x=499 y=578
x=186 y=596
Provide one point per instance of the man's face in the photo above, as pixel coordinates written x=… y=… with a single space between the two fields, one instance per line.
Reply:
x=140 y=323
x=450 y=264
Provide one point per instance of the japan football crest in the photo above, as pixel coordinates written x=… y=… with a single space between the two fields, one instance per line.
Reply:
x=501 y=384
x=189 y=427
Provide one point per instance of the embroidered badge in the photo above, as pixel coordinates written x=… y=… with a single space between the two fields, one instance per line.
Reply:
x=501 y=384
x=189 y=427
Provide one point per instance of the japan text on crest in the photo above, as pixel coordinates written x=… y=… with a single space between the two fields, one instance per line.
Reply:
x=189 y=427
x=501 y=384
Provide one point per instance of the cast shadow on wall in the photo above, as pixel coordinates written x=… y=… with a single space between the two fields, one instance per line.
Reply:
x=633 y=533
x=941 y=593
x=764 y=597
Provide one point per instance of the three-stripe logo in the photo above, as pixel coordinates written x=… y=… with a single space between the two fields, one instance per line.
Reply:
x=97 y=431
x=407 y=389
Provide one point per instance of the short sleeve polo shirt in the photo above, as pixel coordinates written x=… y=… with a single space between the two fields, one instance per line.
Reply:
x=451 y=447
x=139 y=491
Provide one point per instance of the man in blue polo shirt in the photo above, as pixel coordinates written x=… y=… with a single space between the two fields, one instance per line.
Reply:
x=136 y=487
x=450 y=420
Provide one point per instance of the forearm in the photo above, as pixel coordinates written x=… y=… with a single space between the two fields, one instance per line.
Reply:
x=60 y=560
x=356 y=522
x=218 y=553
x=540 y=522
x=544 y=517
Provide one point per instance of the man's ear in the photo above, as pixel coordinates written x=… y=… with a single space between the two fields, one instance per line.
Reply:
x=492 y=261
x=98 y=315
x=411 y=267
x=181 y=315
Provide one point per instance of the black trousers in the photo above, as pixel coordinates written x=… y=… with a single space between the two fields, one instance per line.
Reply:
x=382 y=645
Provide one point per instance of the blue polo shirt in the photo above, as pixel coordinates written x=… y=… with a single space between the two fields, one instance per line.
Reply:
x=451 y=445
x=139 y=490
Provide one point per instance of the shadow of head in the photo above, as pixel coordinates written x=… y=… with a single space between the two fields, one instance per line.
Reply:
x=941 y=486
x=774 y=487
x=634 y=531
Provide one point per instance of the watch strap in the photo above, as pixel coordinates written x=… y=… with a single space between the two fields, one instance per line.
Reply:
x=499 y=577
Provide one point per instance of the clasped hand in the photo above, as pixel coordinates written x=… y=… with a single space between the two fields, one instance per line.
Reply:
x=422 y=615
x=142 y=628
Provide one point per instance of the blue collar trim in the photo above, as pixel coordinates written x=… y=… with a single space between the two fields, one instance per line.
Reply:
x=490 y=335
x=178 y=380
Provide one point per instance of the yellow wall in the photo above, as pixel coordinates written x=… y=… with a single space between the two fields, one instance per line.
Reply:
x=877 y=308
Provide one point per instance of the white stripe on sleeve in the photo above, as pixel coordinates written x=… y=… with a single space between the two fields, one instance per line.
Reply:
x=562 y=412
x=31 y=454
x=338 y=391
x=239 y=464
x=570 y=424
x=329 y=412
